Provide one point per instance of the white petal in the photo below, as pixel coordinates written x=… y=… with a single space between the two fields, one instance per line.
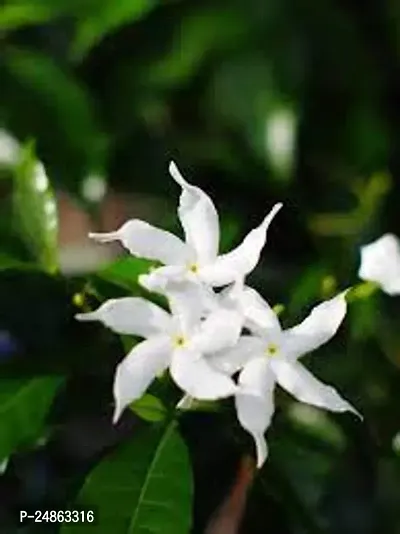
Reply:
x=138 y=369
x=255 y=402
x=197 y=378
x=318 y=328
x=219 y=331
x=229 y=361
x=261 y=448
x=158 y=279
x=305 y=387
x=130 y=315
x=189 y=302
x=147 y=241
x=239 y=262
x=259 y=316
x=189 y=298
x=199 y=218
x=380 y=263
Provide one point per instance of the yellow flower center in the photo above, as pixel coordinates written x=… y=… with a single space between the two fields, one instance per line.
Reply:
x=179 y=342
x=272 y=349
x=193 y=268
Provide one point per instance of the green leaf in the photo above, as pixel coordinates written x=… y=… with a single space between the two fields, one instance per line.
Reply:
x=24 y=404
x=144 y=487
x=40 y=91
x=244 y=93
x=149 y=408
x=104 y=18
x=17 y=13
x=124 y=272
x=8 y=262
x=35 y=210
x=307 y=288
x=24 y=13
x=199 y=35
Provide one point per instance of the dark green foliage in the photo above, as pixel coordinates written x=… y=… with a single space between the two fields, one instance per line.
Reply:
x=120 y=87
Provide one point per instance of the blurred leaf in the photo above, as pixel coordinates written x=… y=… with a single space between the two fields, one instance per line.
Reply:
x=105 y=17
x=308 y=288
x=199 y=35
x=18 y=13
x=23 y=13
x=149 y=408
x=35 y=210
x=243 y=94
x=8 y=262
x=334 y=224
x=124 y=272
x=24 y=404
x=144 y=487
x=40 y=94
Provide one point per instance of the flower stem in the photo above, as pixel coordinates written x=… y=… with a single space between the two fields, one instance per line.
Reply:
x=361 y=291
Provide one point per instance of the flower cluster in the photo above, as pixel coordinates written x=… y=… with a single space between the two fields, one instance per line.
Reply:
x=215 y=344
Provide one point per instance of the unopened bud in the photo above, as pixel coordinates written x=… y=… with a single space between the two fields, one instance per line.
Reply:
x=79 y=300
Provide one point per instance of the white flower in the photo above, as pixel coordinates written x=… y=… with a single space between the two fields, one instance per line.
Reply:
x=178 y=340
x=270 y=355
x=197 y=258
x=380 y=263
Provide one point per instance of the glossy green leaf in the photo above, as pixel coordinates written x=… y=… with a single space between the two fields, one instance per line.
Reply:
x=24 y=404
x=35 y=210
x=125 y=271
x=105 y=17
x=149 y=408
x=144 y=487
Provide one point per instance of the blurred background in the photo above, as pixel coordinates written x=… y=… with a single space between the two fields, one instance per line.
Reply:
x=257 y=102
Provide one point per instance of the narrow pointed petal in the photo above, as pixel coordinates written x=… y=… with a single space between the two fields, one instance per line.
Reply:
x=380 y=263
x=192 y=373
x=147 y=241
x=261 y=448
x=239 y=262
x=199 y=218
x=219 y=331
x=255 y=402
x=138 y=369
x=318 y=328
x=130 y=315
x=299 y=382
x=259 y=316
x=229 y=361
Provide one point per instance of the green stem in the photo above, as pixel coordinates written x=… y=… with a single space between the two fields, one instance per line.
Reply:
x=361 y=291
